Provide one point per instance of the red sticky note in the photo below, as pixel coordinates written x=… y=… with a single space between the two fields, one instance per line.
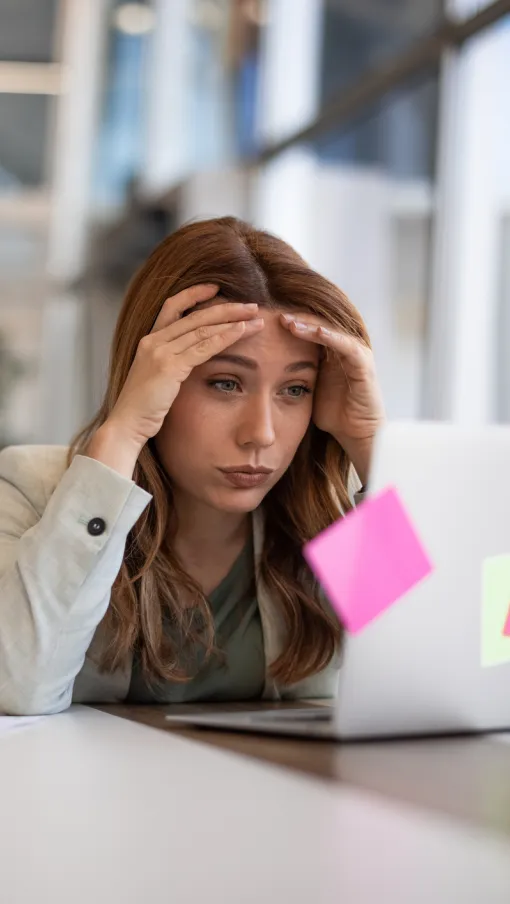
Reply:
x=368 y=559
x=506 y=629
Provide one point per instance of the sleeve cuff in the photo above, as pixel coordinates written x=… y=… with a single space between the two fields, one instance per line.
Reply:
x=90 y=490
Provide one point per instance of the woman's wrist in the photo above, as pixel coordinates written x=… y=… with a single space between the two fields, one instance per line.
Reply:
x=114 y=447
x=359 y=452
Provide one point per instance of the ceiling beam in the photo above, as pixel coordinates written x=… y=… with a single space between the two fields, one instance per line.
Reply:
x=422 y=56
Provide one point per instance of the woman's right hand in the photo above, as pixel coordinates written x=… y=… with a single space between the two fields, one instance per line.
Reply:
x=168 y=354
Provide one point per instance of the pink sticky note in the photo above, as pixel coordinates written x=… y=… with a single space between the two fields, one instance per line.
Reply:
x=368 y=560
x=506 y=629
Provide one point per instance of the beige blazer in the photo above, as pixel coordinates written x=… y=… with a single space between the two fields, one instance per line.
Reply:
x=55 y=582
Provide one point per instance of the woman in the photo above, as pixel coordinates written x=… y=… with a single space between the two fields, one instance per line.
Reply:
x=159 y=558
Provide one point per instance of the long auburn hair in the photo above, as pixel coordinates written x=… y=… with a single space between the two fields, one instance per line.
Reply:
x=248 y=265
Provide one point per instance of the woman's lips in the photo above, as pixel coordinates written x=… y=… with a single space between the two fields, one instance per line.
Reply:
x=244 y=480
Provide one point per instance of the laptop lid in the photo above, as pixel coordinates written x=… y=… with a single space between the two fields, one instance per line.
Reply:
x=418 y=667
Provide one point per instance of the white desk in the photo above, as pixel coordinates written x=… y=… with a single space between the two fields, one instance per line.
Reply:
x=98 y=810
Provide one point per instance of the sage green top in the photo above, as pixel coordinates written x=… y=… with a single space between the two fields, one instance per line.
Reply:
x=240 y=673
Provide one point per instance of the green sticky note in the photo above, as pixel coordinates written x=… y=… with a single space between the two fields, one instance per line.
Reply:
x=495 y=609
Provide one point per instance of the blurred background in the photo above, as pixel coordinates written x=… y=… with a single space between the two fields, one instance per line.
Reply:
x=373 y=135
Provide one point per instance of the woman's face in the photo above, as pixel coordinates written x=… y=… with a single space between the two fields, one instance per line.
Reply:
x=247 y=408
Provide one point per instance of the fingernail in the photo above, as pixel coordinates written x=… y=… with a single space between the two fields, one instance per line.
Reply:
x=300 y=326
x=288 y=318
x=257 y=322
x=251 y=306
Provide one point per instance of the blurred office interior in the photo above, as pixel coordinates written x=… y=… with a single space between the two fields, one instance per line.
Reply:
x=373 y=135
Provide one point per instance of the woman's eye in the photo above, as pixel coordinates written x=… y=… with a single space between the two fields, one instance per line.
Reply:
x=227 y=386
x=297 y=392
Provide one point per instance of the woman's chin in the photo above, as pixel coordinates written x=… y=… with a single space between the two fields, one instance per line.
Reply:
x=238 y=501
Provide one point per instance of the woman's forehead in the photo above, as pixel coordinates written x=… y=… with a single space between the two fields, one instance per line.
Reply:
x=275 y=344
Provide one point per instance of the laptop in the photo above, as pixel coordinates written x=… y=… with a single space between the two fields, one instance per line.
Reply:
x=416 y=670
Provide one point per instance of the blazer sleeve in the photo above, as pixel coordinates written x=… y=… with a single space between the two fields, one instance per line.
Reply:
x=55 y=574
x=322 y=686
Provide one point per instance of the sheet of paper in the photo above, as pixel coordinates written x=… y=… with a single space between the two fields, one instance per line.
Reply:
x=369 y=559
x=14 y=723
x=495 y=610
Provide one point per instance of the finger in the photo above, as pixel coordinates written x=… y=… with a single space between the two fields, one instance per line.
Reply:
x=214 y=345
x=227 y=312
x=209 y=331
x=174 y=306
x=347 y=346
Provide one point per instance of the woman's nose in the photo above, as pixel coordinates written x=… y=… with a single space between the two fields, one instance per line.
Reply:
x=256 y=427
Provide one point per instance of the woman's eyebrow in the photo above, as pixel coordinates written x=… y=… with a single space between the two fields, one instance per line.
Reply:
x=301 y=365
x=251 y=364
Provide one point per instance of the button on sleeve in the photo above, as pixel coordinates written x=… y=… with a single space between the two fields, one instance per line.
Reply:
x=96 y=527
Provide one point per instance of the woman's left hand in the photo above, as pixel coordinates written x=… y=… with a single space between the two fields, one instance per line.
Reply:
x=347 y=402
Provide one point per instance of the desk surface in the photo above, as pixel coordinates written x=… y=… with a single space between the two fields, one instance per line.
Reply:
x=97 y=809
x=467 y=778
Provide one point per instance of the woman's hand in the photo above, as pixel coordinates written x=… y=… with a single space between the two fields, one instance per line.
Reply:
x=347 y=401
x=169 y=353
